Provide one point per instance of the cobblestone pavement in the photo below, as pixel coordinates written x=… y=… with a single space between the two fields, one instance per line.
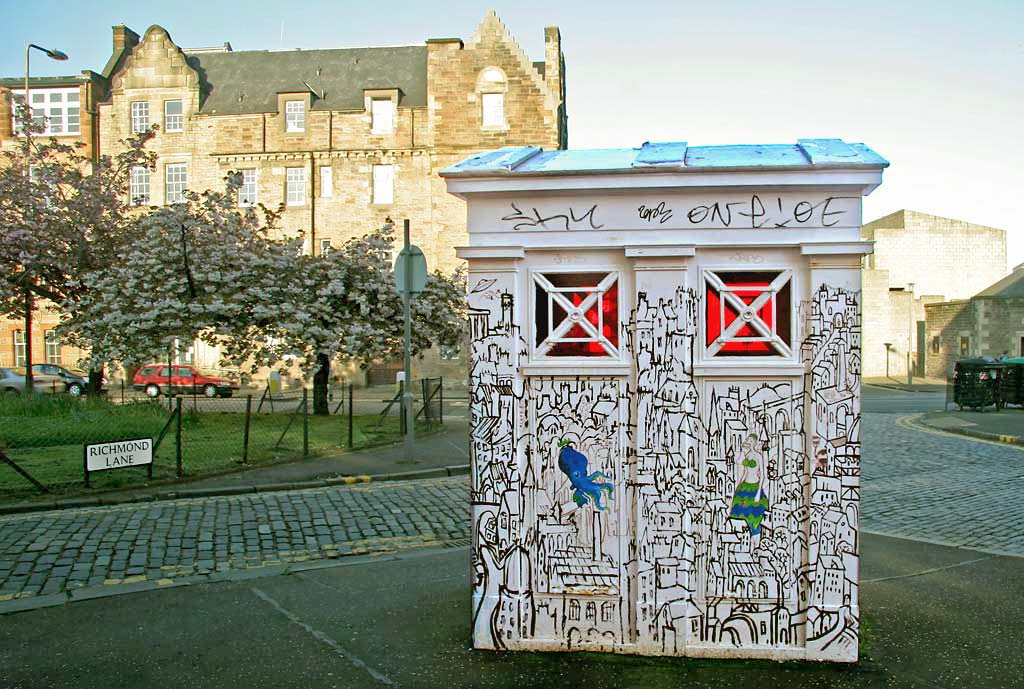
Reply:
x=920 y=485
x=941 y=488
x=53 y=552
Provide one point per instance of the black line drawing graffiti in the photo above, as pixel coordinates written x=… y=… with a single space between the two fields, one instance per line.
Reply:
x=482 y=286
x=668 y=565
x=569 y=220
x=758 y=215
x=659 y=213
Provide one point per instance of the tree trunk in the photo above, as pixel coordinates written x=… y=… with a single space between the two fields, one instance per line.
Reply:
x=95 y=381
x=320 y=380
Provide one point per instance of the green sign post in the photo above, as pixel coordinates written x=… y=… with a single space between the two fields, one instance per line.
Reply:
x=410 y=279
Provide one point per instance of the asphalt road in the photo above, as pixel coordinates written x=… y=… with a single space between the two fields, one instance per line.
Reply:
x=934 y=617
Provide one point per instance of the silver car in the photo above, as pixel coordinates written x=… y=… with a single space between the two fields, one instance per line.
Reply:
x=12 y=382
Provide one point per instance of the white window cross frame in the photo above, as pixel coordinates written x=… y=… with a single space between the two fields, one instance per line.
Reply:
x=140 y=117
x=748 y=314
x=174 y=116
x=295 y=116
x=575 y=315
x=382 y=116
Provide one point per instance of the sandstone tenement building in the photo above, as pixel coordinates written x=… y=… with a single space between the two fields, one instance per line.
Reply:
x=341 y=138
x=919 y=259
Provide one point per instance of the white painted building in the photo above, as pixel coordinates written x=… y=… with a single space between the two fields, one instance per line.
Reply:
x=673 y=333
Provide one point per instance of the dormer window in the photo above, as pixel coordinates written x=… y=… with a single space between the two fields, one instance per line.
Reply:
x=382 y=114
x=295 y=116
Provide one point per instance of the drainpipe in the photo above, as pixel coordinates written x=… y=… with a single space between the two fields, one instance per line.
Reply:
x=312 y=205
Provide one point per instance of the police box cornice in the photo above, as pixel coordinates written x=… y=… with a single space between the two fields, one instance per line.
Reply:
x=813 y=184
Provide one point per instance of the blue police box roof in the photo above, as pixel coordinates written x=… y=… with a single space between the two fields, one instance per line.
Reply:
x=675 y=156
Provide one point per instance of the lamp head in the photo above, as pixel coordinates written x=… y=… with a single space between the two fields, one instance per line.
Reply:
x=57 y=54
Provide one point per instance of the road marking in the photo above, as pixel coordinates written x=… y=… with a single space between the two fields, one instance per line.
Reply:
x=323 y=638
x=908 y=423
x=460 y=449
x=931 y=570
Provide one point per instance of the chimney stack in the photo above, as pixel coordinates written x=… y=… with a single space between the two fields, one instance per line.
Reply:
x=124 y=38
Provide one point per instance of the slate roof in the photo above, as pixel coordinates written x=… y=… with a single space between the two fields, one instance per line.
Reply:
x=248 y=81
x=1010 y=286
x=671 y=157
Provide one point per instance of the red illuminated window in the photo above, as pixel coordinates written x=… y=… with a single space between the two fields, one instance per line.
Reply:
x=576 y=314
x=748 y=313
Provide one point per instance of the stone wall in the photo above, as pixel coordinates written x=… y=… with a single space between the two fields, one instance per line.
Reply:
x=1000 y=325
x=424 y=140
x=947 y=322
x=893 y=315
x=940 y=256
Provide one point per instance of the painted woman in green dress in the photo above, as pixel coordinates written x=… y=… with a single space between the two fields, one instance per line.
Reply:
x=749 y=501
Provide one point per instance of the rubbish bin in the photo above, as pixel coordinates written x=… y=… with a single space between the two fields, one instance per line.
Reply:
x=1011 y=383
x=665 y=397
x=977 y=383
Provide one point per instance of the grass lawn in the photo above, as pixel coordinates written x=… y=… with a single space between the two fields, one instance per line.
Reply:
x=45 y=436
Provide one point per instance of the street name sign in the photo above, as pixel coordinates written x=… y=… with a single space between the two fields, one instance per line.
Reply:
x=133 y=452
x=118 y=454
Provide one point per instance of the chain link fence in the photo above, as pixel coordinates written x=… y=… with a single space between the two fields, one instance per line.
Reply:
x=43 y=437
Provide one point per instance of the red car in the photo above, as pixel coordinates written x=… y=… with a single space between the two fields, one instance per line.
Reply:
x=181 y=379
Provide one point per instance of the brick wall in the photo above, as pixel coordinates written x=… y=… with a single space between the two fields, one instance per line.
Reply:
x=42 y=320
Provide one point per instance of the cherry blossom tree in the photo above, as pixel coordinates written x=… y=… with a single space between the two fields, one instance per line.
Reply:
x=62 y=216
x=344 y=305
x=193 y=271
x=205 y=269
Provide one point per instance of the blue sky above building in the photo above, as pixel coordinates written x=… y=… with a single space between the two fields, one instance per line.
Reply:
x=935 y=86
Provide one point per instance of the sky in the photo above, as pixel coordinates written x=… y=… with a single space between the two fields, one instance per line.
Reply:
x=934 y=86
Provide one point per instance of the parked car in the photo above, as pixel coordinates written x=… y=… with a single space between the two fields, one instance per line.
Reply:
x=76 y=381
x=157 y=379
x=12 y=382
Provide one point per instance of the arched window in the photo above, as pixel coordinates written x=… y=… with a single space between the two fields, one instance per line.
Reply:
x=491 y=87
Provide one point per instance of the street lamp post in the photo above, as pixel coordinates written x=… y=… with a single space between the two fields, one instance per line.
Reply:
x=27 y=130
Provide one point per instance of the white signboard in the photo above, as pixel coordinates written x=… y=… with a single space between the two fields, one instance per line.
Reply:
x=119 y=454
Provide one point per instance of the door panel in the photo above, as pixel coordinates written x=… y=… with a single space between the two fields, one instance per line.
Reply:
x=577 y=509
x=752 y=540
